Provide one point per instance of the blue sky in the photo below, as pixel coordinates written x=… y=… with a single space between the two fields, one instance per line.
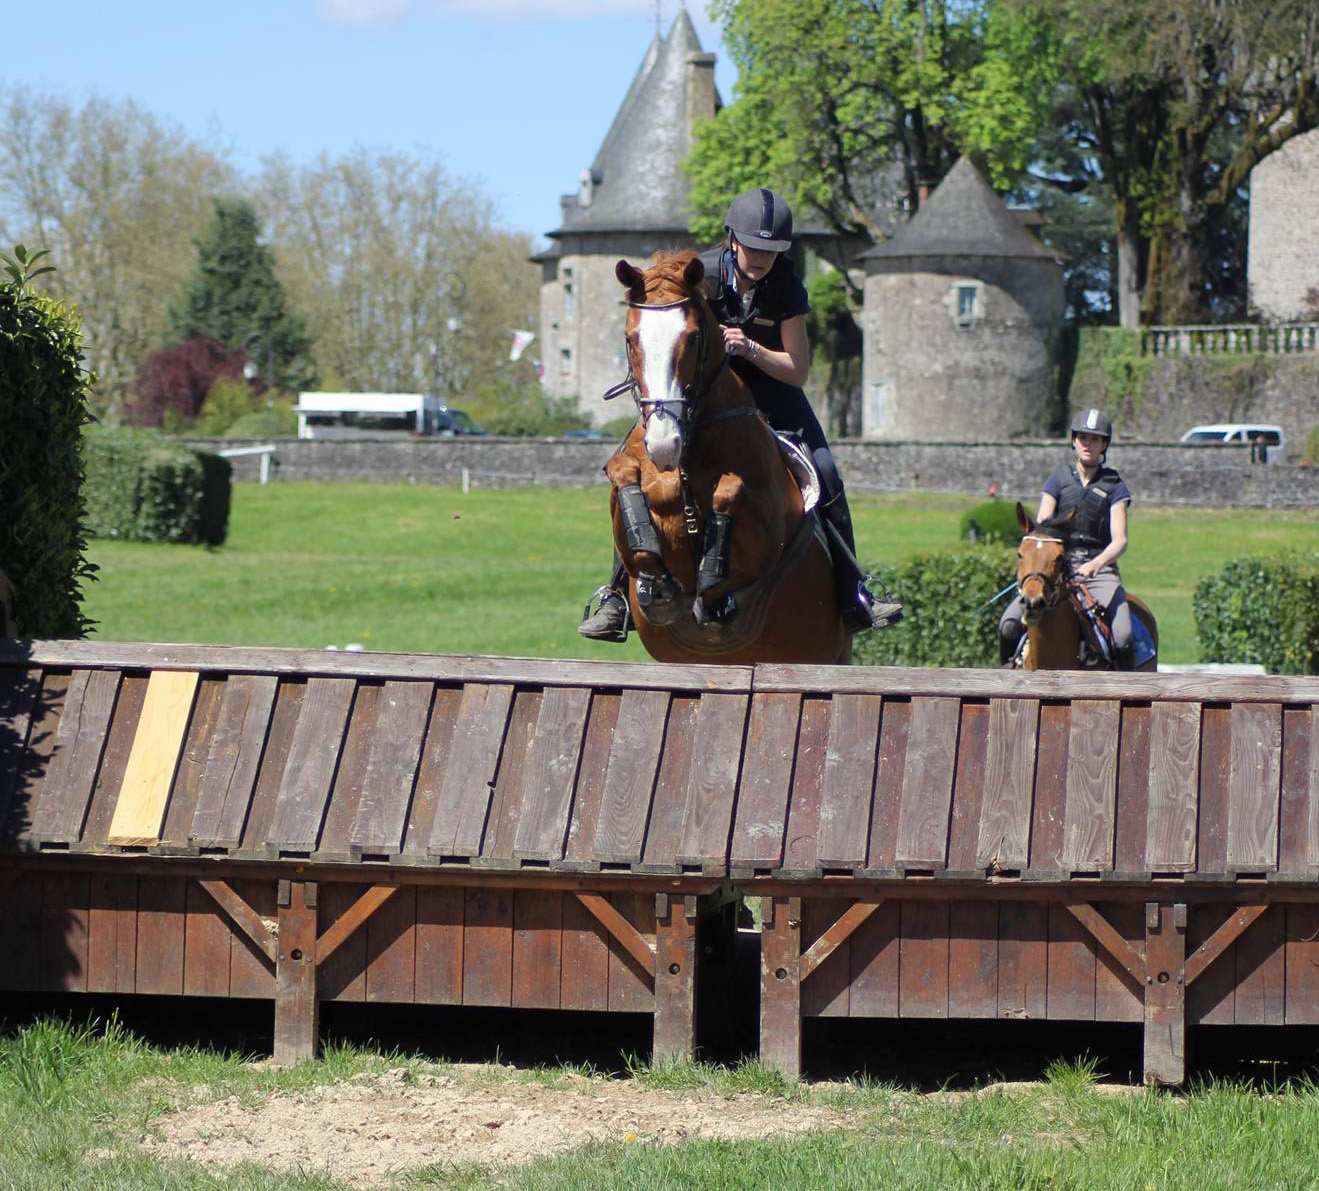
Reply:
x=514 y=94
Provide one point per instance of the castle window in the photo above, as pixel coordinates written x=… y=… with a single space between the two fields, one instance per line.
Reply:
x=966 y=305
x=565 y=362
x=569 y=298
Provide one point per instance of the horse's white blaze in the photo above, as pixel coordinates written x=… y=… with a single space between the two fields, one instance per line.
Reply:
x=658 y=335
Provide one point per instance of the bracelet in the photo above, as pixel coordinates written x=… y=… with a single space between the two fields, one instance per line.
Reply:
x=755 y=348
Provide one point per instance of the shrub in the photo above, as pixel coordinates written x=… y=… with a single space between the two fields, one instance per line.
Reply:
x=171 y=384
x=948 y=620
x=993 y=521
x=43 y=407
x=144 y=488
x=275 y=420
x=227 y=400
x=1262 y=610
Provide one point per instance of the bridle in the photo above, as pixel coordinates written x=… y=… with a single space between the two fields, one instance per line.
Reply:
x=1053 y=585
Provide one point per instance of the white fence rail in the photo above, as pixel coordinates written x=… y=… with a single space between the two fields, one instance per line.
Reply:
x=1230 y=339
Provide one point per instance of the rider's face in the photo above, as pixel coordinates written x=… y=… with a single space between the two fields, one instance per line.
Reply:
x=1089 y=448
x=754 y=262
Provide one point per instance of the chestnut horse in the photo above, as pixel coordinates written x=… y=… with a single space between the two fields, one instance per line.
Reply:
x=723 y=561
x=1053 y=601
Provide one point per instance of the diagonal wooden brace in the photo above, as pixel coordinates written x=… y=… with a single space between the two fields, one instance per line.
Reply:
x=632 y=940
x=252 y=924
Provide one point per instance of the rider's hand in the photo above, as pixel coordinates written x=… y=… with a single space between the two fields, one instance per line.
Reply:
x=1088 y=570
x=737 y=344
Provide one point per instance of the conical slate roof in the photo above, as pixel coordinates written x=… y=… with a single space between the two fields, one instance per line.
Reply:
x=963 y=217
x=636 y=182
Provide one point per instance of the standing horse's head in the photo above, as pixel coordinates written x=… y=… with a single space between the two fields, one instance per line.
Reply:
x=670 y=330
x=1041 y=577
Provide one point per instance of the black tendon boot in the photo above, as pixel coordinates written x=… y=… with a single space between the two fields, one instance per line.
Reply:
x=857 y=604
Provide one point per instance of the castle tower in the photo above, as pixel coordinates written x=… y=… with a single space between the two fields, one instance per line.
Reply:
x=1283 y=255
x=631 y=202
x=961 y=317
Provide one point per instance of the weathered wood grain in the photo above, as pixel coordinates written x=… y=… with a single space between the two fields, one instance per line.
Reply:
x=313 y=758
x=1174 y=781
x=233 y=759
x=849 y=781
x=927 y=785
x=1009 y=777
x=1090 y=817
x=140 y=812
x=1253 y=786
x=762 y=805
x=550 y=774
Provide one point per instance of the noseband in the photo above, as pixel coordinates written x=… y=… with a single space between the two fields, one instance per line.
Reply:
x=1053 y=588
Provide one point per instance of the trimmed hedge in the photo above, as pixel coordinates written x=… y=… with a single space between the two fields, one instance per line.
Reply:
x=143 y=488
x=43 y=407
x=1262 y=610
x=993 y=521
x=946 y=621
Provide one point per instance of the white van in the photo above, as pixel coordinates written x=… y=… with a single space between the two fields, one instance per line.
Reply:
x=1268 y=442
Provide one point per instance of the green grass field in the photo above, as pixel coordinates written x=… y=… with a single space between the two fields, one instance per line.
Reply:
x=429 y=569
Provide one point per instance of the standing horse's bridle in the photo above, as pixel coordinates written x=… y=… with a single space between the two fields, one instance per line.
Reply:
x=1053 y=588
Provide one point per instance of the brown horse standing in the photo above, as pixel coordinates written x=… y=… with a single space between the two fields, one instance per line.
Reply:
x=722 y=562
x=1053 y=628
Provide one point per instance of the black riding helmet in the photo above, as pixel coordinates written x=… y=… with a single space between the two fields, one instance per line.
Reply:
x=1092 y=421
x=760 y=219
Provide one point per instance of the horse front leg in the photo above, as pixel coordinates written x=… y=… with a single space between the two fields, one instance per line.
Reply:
x=639 y=544
x=714 y=566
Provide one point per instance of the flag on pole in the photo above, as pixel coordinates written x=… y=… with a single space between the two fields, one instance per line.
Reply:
x=520 y=341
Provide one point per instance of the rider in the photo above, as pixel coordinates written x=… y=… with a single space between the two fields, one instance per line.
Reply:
x=1097 y=536
x=762 y=306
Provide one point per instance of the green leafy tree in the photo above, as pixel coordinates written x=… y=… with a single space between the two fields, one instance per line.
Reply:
x=235 y=298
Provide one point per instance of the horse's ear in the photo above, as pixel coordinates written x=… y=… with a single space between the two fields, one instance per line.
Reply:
x=694 y=273
x=1024 y=519
x=632 y=279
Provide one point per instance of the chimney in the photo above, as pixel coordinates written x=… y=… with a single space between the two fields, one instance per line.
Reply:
x=701 y=98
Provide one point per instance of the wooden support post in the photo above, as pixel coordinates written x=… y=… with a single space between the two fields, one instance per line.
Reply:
x=297 y=1009
x=1165 y=993
x=780 y=984
x=675 y=978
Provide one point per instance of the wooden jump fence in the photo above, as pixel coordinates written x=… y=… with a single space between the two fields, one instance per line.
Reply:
x=308 y=827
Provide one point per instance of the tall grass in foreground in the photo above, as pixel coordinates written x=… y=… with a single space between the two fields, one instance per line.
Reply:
x=429 y=569
x=74 y=1101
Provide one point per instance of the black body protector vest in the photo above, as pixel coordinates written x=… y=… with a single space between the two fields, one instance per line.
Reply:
x=1090 y=531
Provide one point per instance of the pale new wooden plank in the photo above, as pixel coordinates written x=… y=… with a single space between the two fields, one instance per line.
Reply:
x=1174 y=783
x=927 y=783
x=849 y=779
x=1254 y=783
x=1004 y=838
x=1089 y=814
x=140 y=810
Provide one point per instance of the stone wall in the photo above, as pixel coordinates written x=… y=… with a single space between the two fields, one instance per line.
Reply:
x=1159 y=473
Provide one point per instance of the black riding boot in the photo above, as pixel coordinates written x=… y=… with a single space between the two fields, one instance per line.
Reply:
x=612 y=617
x=856 y=603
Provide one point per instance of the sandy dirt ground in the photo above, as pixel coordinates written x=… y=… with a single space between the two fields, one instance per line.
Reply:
x=368 y=1129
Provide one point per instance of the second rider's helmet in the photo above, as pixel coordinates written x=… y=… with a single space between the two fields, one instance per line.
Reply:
x=1092 y=421
x=760 y=219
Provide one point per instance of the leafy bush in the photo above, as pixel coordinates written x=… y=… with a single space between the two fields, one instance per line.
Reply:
x=43 y=407
x=228 y=399
x=993 y=521
x=172 y=384
x=276 y=419
x=948 y=618
x=525 y=412
x=143 y=488
x=1262 y=610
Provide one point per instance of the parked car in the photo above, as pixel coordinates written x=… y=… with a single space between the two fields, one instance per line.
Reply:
x=1270 y=441
x=448 y=422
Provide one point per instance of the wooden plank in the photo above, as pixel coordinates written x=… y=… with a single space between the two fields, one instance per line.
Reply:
x=1110 y=939
x=630 y=774
x=873 y=986
x=890 y=771
x=1009 y=777
x=632 y=980
x=1253 y=787
x=843 y=927
x=140 y=812
x=233 y=759
x=549 y=775
x=800 y=850
x=60 y=803
x=62 y=962
x=297 y=1005
x=274 y=763
x=780 y=985
x=1221 y=939
x=1049 y=814
x=1211 y=986
x=1174 y=782
x=161 y=909
x=255 y=926
x=588 y=801
x=846 y=796
x=968 y=787
x=584 y=971
x=206 y=946
x=396 y=743
x=675 y=980
x=827 y=991
x=927 y=785
x=251 y=971
x=1091 y=817
x=762 y=805
x=537 y=948
x=313 y=757
x=1301 y=1003
x=1120 y=996
x=181 y=808
x=665 y=831
x=112 y=934
x=1261 y=973
x=440 y=945
x=21 y=935
x=333 y=841
x=923 y=959
x=118 y=745
x=471 y=771
x=972 y=959
x=341 y=974
x=1023 y=934
x=1297 y=818
x=620 y=929
x=712 y=781
x=488 y=947
x=1133 y=782
x=391 y=949
x=431 y=770
x=1071 y=992
x=1215 y=763
x=1165 y=995
x=343 y=927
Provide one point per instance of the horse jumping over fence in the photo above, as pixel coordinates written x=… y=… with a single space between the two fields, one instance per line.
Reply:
x=1059 y=613
x=724 y=560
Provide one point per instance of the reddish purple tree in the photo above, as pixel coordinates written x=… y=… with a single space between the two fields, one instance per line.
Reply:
x=178 y=378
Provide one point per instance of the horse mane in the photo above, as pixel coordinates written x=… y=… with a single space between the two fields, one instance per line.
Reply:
x=1055 y=527
x=666 y=272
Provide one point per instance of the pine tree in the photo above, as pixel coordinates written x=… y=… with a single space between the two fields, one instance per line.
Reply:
x=235 y=299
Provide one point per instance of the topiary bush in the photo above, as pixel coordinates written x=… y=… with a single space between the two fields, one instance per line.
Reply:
x=43 y=408
x=993 y=521
x=1262 y=610
x=143 y=488
x=948 y=618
